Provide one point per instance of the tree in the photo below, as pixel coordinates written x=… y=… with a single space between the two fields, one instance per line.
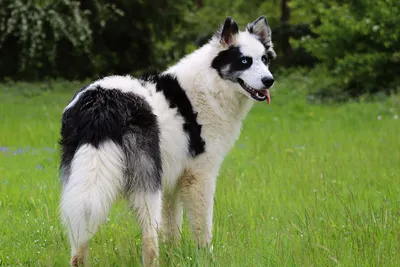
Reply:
x=285 y=20
x=79 y=39
x=358 y=42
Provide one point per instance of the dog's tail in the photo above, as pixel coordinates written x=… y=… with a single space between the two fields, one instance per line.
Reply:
x=110 y=144
x=93 y=183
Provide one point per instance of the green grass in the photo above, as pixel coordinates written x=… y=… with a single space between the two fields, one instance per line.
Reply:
x=306 y=185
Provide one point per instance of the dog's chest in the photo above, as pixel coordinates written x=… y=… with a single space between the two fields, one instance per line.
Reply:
x=221 y=122
x=220 y=135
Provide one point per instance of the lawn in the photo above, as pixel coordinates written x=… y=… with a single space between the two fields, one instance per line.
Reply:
x=305 y=185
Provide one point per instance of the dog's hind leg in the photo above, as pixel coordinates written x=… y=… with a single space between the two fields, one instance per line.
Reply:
x=197 y=191
x=172 y=212
x=93 y=183
x=147 y=206
x=143 y=186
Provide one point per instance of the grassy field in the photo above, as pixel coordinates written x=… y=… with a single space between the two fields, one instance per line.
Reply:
x=306 y=185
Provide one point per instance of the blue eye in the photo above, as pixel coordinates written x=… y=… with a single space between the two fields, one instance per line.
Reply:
x=244 y=61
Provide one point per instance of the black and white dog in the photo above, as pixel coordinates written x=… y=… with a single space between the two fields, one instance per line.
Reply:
x=160 y=140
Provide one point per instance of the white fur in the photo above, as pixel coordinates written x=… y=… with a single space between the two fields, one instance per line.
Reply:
x=148 y=210
x=221 y=106
x=94 y=182
x=251 y=47
x=174 y=141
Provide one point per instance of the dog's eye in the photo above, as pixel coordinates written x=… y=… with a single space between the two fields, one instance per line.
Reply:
x=245 y=62
x=264 y=59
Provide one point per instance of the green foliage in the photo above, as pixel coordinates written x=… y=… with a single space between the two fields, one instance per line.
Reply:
x=211 y=15
x=199 y=23
x=31 y=33
x=214 y=12
x=129 y=43
x=358 y=42
x=78 y=39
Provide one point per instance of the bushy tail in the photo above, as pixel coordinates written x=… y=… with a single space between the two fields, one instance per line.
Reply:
x=93 y=183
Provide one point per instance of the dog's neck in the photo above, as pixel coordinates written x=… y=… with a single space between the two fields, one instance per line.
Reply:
x=206 y=89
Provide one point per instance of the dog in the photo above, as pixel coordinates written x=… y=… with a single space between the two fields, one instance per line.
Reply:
x=160 y=140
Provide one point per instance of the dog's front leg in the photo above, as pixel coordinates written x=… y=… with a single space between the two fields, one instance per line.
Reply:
x=197 y=192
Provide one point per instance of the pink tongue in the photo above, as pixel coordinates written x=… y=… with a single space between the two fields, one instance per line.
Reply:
x=266 y=93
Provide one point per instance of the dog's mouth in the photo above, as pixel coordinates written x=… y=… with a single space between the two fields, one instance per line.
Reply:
x=259 y=95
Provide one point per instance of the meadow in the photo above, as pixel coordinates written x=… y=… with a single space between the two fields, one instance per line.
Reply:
x=307 y=184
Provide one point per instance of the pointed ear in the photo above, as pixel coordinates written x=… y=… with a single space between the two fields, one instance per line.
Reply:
x=228 y=32
x=261 y=28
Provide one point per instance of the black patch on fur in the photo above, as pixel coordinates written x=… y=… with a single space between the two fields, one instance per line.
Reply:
x=271 y=55
x=177 y=98
x=101 y=115
x=228 y=31
x=232 y=57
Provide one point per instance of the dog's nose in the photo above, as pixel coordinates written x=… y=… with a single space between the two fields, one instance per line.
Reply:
x=268 y=81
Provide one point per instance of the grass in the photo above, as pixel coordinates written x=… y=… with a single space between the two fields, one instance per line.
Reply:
x=305 y=185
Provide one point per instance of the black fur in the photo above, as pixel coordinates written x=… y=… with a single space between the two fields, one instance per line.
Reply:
x=177 y=98
x=77 y=92
x=126 y=119
x=232 y=58
x=228 y=31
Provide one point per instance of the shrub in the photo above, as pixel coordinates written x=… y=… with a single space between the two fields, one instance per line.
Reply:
x=31 y=33
x=87 y=38
x=358 y=42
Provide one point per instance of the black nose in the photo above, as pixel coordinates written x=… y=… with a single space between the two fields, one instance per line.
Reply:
x=268 y=81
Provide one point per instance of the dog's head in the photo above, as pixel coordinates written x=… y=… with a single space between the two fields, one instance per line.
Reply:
x=244 y=57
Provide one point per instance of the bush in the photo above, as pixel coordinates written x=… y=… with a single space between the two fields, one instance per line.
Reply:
x=88 y=38
x=31 y=34
x=358 y=42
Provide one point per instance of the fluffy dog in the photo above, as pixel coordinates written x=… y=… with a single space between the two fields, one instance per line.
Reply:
x=159 y=140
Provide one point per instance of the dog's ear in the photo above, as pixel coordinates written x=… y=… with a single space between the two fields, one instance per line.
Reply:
x=261 y=28
x=228 y=32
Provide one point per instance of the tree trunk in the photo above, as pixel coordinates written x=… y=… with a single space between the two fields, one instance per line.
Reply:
x=199 y=3
x=85 y=4
x=285 y=18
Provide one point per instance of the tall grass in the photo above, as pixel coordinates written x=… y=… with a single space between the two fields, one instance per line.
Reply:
x=306 y=184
